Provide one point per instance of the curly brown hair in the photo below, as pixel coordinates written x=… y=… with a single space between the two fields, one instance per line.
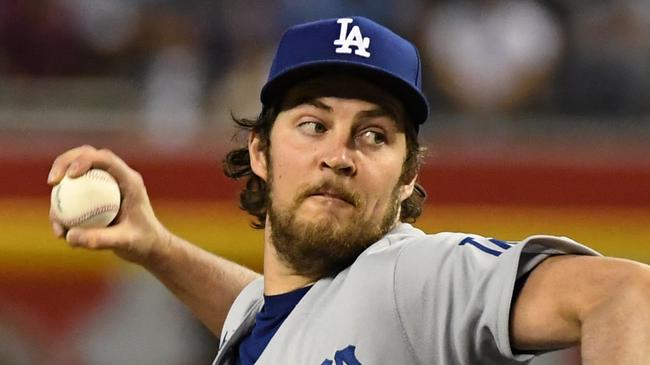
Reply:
x=254 y=197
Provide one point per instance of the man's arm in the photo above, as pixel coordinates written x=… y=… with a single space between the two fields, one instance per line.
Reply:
x=603 y=304
x=206 y=283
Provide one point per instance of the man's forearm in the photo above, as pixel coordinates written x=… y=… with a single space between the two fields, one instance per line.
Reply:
x=206 y=283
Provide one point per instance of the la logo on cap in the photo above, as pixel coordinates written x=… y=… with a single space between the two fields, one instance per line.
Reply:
x=352 y=39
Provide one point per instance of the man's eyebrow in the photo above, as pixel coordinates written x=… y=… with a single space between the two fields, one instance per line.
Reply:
x=376 y=113
x=313 y=102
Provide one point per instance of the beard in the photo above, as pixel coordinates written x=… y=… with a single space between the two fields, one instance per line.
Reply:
x=324 y=246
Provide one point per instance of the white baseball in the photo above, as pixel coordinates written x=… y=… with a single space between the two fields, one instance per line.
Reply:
x=90 y=200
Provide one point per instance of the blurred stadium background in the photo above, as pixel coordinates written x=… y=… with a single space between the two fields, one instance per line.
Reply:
x=541 y=124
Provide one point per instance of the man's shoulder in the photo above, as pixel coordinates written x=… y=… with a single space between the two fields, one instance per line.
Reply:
x=405 y=237
x=407 y=245
x=408 y=238
x=405 y=234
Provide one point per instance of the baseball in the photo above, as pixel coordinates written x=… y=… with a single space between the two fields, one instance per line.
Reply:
x=90 y=200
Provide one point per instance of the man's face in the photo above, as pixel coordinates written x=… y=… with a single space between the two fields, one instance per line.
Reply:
x=334 y=179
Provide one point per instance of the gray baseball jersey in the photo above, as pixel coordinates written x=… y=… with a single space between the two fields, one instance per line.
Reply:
x=410 y=298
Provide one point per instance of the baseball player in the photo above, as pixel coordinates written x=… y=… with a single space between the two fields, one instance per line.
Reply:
x=330 y=169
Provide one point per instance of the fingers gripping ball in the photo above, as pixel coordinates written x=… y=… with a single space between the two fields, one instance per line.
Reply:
x=90 y=200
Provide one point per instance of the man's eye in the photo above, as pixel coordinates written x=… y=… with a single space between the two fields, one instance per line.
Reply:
x=312 y=127
x=373 y=137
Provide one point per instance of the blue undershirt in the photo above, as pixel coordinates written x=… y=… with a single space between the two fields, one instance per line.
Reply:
x=267 y=322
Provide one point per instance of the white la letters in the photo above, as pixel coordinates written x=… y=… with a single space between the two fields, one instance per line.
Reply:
x=352 y=39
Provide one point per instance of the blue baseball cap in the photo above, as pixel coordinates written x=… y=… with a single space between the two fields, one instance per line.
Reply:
x=354 y=45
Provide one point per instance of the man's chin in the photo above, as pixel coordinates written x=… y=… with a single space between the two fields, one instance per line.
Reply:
x=335 y=220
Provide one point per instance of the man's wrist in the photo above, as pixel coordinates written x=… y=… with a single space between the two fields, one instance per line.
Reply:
x=159 y=257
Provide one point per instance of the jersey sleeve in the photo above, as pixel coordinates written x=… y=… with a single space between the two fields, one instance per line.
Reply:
x=453 y=294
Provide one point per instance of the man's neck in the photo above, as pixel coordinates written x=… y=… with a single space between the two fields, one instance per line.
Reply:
x=278 y=277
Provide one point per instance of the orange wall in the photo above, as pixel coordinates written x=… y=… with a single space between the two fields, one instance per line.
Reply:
x=604 y=206
x=28 y=245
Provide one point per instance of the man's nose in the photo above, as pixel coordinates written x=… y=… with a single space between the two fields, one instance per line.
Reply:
x=340 y=159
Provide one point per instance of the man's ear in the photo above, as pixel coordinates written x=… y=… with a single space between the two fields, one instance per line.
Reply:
x=407 y=190
x=257 y=156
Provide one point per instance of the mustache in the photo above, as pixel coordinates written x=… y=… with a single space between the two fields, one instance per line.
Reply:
x=331 y=188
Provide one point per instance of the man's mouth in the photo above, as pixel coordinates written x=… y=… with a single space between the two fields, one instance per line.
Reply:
x=335 y=194
x=331 y=195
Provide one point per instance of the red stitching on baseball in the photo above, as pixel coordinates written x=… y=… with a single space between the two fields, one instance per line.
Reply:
x=90 y=214
x=101 y=175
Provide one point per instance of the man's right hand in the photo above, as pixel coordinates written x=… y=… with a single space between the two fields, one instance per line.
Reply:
x=206 y=283
x=136 y=234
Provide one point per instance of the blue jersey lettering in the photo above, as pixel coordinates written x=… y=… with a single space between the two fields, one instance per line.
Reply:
x=492 y=251
x=344 y=357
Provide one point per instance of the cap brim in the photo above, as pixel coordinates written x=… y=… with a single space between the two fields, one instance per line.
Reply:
x=414 y=101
